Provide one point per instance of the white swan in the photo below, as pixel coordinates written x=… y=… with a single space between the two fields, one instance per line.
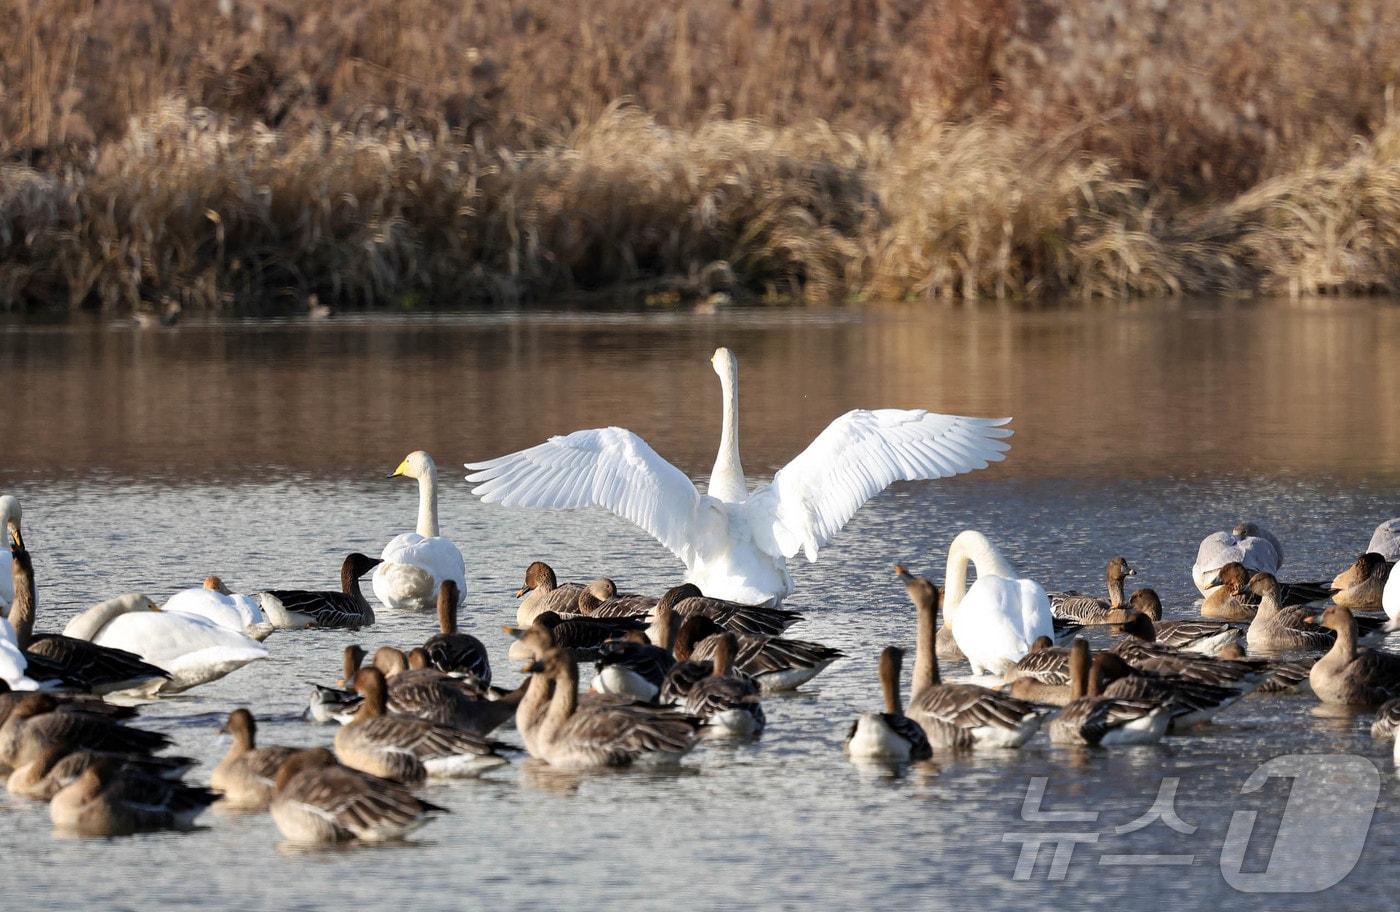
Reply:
x=10 y=515
x=193 y=649
x=415 y=564
x=213 y=601
x=13 y=664
x=996 y=620
x=1257 y=549
x=733 y=542
x=1390 y=601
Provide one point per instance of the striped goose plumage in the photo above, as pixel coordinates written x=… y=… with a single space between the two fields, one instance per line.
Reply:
x=317 y=800
x=347 y=609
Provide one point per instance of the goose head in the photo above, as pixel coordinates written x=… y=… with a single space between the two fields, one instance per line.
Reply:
x=676 y=594
x=538 y=575
x=1233 y=576
x=1139 y=625
x=538 y=638
x=1369 y=564
x=214 y=584
x=1263 y=584
x=310 y=759
x=1105 y=669
x=418 y=659
x=241 y=725
x=351 y=659
x=555 y=664
x=1245 y=529
x=602 y=589
x=370 y=684
x=1337 y=618
x=1042 y=643
x=10 y=516
x=1147 y=602
x=417 y=464
x=357 y=564
x=388 y=661
x=920 y=589
x=1119 y=570
x=693 y=631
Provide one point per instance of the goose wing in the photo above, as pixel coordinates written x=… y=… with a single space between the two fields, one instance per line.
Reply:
x=608 y=467
x=427 y=740
x=89 y=665
x=1048 y=666
x=970 y=706
x=858 y=456
x=767 y=655
x=459 y=653
x=627 y=731
x=356 y=802
x=758 y=620
x=1071 y=606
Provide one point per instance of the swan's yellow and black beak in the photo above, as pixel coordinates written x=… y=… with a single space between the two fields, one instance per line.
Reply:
x=403 y=467
x=16 y=539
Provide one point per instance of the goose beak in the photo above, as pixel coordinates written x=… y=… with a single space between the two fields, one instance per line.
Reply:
x=515 y=632
x=520 y=593
x=1216 y=581
x=903 y=573
x=1132 y=572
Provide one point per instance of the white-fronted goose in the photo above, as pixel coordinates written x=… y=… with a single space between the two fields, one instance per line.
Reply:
x=959 y=715
x=451 y=651
x=1361 y=586
x=543 y=592
x=888 y=736
x=1088 y=609
x=407 y=749
x=727 y=703
x=247 y=775
x=1351 y=674
x=1091 y=719
x=317 y=800
x=109 y=800
x=562 y=732
x=300 y=609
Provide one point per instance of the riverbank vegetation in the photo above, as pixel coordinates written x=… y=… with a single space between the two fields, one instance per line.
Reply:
x=255 y=155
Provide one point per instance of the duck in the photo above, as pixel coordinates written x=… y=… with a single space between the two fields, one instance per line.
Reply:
x=636 y=665
x=109 y=800
x=214 y=601
x=1279 y=629
x=1088 y=609
x=1190 y=702
x=735 y=543
x=348 y=609
x=11 y=519
x=1189 y=635
x=727 y=703
x=1361 y=586
x=1387 y=720
x=889 y=736
x=570 y=735
x=247 y=776
x=1231 y=599
x=543 y=592
x=68 y=660
x=1247 y=543
x=316 y=800
x=191 y=650
x=451 y=651
x=1350 y=674
x=959 y=715
x=1092 y=719
x=405 y=749
x=414 y=564
x=775 y=663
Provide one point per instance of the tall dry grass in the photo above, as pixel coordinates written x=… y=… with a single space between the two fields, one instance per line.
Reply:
x=251 y=153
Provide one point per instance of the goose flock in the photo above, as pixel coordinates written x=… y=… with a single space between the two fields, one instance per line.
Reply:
x=615 y=679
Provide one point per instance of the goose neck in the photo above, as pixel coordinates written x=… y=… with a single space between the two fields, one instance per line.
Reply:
x=23 y=608
x=925 y=650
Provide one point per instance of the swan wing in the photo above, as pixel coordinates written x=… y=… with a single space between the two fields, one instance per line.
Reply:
x=858 y=456
x=608 y=467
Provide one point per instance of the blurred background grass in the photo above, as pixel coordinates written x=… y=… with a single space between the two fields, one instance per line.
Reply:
x=261 y=155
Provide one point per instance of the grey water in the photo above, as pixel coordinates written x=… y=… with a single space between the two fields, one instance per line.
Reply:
x=146 y=460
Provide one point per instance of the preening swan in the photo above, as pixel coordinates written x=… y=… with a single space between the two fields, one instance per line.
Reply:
x=415 y=564
x=996 y=620
x=1248 y=544
x=214 y=601
x=733 y=542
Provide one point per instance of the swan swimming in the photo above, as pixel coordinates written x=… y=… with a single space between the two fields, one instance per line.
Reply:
x=415 y=564
x=735 y=542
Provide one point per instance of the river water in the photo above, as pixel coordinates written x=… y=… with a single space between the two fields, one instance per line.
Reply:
x=148 y=459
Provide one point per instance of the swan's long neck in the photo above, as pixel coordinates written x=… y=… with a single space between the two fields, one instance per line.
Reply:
x=90 y=623
x=427 y=503
x=974 y=547
x=727 y=480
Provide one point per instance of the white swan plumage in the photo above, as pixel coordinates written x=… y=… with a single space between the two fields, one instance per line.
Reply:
x=13 y=664
x=10 y=515
x=1385 y=541
x=997 y=618
x=1248 y=544
x=733 y=542
x=1390 y=601
x=232 y=611
x=193 y=649
x=415 y=564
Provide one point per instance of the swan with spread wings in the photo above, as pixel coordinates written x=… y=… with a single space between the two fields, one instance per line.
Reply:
x=733 y=542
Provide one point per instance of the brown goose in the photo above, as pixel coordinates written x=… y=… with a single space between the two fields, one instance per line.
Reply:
x=1190 y=702
x=635 y=666
x=75 y=663
x=1279 y=629
x=316 y=800
x=1140 y=649
x=1232 y=600
x=753 y=620
x=46 y=773
x=1041 y=675
x=564 y=733
x=1280 y=676
x=727 y=703
x=775 y=663
x=1351 y=674
x=1205 y=637
x=1088 y=609
x=428 y=694
x=38 y=723
x=109 y=800
x=888 y=736
x=542 y=592
x=300 y=609
x=452 y=651
x=1092 y=719
x=407 y=749
x=248 y=773
x=1361 y=585
x=583 y=636
x=959 y=715
x=600 y=598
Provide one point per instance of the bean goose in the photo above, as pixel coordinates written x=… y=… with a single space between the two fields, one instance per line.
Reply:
x=564 y=733
x=45 y=774
x=1361 y=585
x=600 y=598
x=776 y=663
x=110 y=800
x=727 y=703
x=888 y=736
x=1351 y=674
x=1190 y=702
x=1280 y=676
x=317 y=800
x=1205 y=637
x=452 y=651
x=300 y=609
x=1088 y=609
x=74 y=662
x=1041 y=675
x=1140 y=649
x=584 y=636
x=1279 y=629
x=1387 y=720
x=1232 y=600
x=542 y=592
x=407 y=749
x=38 y=723
x=1091 y=718
x=634 y=666
x=248 y=773
x=959 y=715
x=753 y=620
x=428 y=694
